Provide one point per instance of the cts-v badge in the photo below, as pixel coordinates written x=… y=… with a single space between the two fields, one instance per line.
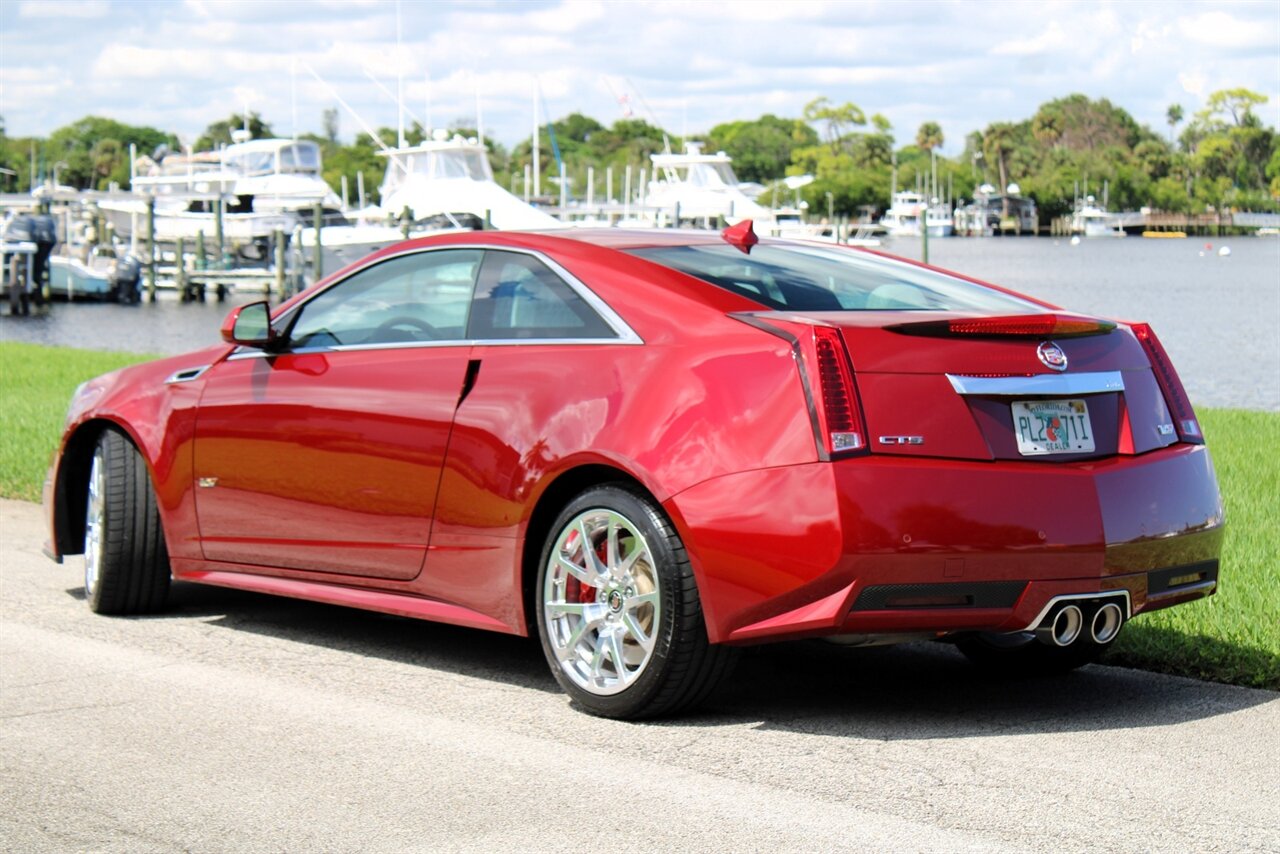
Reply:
x=902 y=440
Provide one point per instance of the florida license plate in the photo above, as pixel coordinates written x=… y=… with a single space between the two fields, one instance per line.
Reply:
x=1052 y=427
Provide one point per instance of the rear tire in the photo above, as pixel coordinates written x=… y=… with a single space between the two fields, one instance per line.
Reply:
x=126 y=562
x=618 y=610
x=1021 y=655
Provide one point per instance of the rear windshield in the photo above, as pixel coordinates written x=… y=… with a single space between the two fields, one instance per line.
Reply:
x=813 y=278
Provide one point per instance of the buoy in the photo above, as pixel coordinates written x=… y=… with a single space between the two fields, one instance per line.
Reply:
x=1224 y=251
x=1208 y=246
x=1075 y=241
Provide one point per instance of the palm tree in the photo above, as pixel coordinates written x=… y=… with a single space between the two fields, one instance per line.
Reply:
x=997 y=143
x=929 y=136
x=1173 y=116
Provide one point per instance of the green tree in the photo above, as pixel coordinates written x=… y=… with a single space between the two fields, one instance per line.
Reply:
x=75 y=149
x=1237 y=103
x=761 y=149
x=1174 y=117
x=329 y=119
x=838 y=120
x=997 y=145
x=219 y=133
x=929 y=136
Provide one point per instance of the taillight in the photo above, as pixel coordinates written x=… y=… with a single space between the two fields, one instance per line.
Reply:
x=1018 y=326
x=841 y=421
x=1175 y=396
x=826 y=375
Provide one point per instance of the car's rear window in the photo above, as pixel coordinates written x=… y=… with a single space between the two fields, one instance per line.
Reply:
x=813 y=278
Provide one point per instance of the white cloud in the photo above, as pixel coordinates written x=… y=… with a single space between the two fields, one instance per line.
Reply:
x=1051 y=39
x=1192 y=82
x=180 y=66
x=88 y=9
x=1222 y=30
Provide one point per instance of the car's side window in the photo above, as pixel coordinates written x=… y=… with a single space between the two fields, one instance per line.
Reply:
x=424 y=296
x=520 y=297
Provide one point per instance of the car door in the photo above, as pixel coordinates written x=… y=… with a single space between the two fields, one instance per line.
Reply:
x=324 y=454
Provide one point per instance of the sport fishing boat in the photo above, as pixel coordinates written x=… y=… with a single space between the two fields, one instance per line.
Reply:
x=449 y=180
x=703 y=186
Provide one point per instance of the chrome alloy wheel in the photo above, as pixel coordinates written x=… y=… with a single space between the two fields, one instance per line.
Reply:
x=600 y=601
x=93 y=524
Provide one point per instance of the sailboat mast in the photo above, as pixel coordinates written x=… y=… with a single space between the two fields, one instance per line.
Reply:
x=399 y=81
x=537 y=171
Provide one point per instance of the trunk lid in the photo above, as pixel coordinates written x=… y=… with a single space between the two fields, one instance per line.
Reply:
x=1040 y=387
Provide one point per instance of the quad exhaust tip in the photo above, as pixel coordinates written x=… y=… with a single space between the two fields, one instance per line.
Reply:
x=1068 y=624
x=1064 y=629
x=1106 y=623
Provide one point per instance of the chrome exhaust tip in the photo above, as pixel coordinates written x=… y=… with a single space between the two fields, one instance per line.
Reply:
x=1106 y=623
x=1064 y=629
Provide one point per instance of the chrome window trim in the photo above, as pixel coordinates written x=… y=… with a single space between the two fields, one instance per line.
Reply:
x=1084 y=383
x=625 y=334
x=421 y=345
x=186 y=375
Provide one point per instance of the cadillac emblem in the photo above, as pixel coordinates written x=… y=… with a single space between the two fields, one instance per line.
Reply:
x=1052 y=356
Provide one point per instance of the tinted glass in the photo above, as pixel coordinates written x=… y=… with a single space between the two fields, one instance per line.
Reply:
x=817 y=279
x=425 y=296
x=520 y=297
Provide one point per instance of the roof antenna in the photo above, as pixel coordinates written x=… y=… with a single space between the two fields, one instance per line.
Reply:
x=742 y=235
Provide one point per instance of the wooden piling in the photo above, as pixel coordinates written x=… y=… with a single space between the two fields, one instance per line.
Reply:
x=220 y=259
x=180 y=271
x=151 y=248
x=278 y=236
x=924 y=234
x=317 y=258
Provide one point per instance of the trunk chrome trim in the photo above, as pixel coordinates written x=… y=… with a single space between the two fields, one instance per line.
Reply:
x=1060 y=384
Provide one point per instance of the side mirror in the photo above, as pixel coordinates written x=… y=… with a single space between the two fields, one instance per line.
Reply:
x=249 y=325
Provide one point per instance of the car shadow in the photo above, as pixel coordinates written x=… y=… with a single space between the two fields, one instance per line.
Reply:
x=907 y=692
x=486 y=655
x=930 y=691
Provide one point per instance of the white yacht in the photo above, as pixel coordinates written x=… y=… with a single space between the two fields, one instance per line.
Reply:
x=264 y=175
x=902 y=219
x=450 y=179
x=1091 y=220
x=265 y=185
x=704 y=187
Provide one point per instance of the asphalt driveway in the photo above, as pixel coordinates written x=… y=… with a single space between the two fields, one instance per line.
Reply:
x=242 y=722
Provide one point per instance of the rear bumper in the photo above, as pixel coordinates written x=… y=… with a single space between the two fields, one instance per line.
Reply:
x=793 y=551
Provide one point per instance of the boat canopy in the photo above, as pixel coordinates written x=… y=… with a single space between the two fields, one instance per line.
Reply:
x=273 y=156
x=441 y=163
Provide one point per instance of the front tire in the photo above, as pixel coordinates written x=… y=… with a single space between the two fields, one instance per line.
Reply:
x=126 y=562
x=618 y=610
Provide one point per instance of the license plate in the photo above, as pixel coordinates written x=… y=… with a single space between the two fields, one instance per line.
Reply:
x=1052 y=427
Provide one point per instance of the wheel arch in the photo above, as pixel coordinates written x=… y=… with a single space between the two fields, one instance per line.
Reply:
x=559 y=492
x=71 y=484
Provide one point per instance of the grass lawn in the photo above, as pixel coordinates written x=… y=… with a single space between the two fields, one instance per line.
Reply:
x=1231 y=637
x=35 y=387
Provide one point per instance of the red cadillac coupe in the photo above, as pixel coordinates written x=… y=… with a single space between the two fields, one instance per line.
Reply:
x=653 y=447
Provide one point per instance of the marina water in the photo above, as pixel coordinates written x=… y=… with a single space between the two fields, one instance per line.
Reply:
x=1218 y=316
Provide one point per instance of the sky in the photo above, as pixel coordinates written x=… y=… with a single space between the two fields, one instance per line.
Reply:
x=180 y=65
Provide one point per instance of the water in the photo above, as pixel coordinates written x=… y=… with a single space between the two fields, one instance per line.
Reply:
x=1219 y=317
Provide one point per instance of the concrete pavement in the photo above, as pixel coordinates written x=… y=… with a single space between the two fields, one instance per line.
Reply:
x=240 y=722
